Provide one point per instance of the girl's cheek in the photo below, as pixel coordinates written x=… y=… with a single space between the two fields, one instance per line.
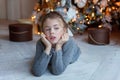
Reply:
x=46 y=34
x=60 y=37
x=47 y=37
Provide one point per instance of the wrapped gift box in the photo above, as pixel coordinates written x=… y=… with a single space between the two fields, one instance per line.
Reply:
x=99 y=36
x=20 y=32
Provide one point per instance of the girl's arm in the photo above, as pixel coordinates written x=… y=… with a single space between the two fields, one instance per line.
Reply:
x=61 y=58
x=41 y=60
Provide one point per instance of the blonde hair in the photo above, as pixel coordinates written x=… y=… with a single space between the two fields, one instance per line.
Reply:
x=53 y=15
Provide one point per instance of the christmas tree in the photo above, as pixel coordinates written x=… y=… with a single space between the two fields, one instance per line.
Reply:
x=79 y=14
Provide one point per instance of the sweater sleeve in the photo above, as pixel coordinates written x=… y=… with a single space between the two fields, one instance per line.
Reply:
x=41 y=60
x=62 y=58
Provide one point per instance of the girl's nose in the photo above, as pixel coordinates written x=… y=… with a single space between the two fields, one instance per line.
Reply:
x=52 y=31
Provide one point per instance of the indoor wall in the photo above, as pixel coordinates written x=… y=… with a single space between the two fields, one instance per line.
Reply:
x=16 y=9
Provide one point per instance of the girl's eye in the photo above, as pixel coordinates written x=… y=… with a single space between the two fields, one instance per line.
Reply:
x=56 y=28
x=47 y=29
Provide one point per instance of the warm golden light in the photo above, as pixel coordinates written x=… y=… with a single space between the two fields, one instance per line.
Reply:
x=100 y=26
x=81 y=22
x=51 y=9
x=65 y=10
x=117 y=3
x=33 y=18
x=77 y=11
x=38 y=33
x=113 y=8
x=78 y=16
x=38 y=9
x=74 y=19
x=109 y=9
x=87 y=19
x=86 y=16
x=41 y=32
x=88 y=22
x=46 y=0
x=93 y=14
x=58 y=3
x=101 y=10
x=78 y=28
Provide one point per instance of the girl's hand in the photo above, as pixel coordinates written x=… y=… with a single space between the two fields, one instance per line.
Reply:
x=46 y=43
x=63 y=39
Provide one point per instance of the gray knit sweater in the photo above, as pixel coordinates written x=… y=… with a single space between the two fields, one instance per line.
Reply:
x=57 y=61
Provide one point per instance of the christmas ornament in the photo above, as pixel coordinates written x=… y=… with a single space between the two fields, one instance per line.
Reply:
x=63 y=2
x=103 y=3
x=71 y=13
x=80 y=3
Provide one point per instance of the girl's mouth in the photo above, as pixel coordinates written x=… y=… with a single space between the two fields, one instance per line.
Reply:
x=52 y=38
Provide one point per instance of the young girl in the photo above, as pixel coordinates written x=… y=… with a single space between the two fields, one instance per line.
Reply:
x=55 y=50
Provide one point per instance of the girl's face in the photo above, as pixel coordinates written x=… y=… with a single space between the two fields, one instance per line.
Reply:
x=53 y=29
